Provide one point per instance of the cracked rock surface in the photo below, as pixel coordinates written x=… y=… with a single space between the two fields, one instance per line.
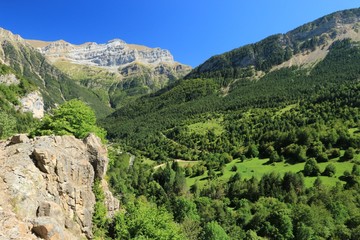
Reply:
x=46 y=187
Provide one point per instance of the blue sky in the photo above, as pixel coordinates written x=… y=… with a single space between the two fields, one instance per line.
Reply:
x=193 y=30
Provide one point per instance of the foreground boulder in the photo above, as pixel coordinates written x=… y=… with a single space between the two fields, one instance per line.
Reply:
x=46 y=187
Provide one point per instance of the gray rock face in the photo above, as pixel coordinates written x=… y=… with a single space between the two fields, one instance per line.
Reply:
x=46 y=187
x=114 y=53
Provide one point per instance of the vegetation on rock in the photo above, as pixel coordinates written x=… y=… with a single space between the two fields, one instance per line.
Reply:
x=71 y=118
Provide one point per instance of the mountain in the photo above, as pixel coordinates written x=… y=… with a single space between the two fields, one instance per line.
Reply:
x=117 y=71
x=219 y=106
x=304 y=45
x=105 y=76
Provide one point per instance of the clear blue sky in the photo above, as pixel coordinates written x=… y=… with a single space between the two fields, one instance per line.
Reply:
x=192 y=30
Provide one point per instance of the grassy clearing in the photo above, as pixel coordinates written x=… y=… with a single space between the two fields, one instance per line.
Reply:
x=149 y=162
x=187 y=163
x=210 y=125
x=258 y=167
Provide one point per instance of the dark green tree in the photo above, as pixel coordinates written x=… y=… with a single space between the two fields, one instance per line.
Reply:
x=311 y=168
x=349 y=153
x=330 y=170
x=7 y=125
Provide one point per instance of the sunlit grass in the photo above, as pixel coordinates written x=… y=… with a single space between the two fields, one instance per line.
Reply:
x=209 y=125
x=258 y=167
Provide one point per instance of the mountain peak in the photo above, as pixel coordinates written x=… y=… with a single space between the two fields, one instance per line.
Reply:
x=8 y=35
x=116 y=40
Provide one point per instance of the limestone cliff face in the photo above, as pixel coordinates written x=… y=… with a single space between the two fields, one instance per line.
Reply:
x=113 y=53
x=46 y=187
x=32 y=102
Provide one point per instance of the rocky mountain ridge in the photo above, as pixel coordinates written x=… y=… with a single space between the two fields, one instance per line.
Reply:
x=114 y=53
x=46 y=186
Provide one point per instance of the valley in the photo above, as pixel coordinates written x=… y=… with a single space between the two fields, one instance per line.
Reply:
x=260 y=142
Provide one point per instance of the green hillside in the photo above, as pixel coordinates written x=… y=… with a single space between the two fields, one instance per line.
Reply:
x=125 y=84
x=253 y=156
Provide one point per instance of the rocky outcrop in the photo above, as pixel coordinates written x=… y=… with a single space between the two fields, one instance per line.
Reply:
x=46 y=186
x=33 y=103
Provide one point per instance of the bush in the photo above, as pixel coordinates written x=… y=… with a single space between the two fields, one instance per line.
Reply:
x=7 y=125
x=335 y=153
x=329 y=171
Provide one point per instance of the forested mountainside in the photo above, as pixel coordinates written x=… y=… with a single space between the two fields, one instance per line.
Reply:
x=163 y=124
x=258 y=143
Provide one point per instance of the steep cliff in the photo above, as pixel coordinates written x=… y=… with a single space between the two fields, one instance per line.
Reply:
x=46 y=186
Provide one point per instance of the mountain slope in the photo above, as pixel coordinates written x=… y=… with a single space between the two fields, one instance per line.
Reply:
x=303 y=45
